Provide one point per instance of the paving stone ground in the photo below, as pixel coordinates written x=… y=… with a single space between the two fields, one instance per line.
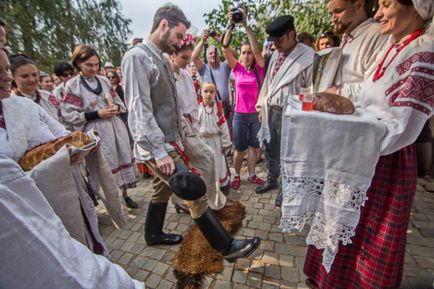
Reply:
x=278 y=263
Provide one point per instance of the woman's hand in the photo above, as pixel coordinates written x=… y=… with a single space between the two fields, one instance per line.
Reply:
x=244 y=13
x=230 y=21
x=109 y=111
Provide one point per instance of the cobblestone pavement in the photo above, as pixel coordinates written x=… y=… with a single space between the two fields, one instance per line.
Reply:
x=279 y=261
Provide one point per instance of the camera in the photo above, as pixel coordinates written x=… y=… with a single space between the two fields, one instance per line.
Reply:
x=212 y=33
x=194 y=77
x=237 y=13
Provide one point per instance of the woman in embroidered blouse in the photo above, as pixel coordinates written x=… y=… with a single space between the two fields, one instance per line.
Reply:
x=249 y=73
x=26 y=83
x=400 y=94
x=91 y=103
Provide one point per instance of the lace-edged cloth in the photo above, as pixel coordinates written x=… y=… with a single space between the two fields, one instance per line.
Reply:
x=331 y=209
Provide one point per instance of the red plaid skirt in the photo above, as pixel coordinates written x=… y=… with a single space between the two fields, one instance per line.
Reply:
x=375 y=259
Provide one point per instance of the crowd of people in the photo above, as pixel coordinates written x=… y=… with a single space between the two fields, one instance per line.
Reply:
x=185 y=119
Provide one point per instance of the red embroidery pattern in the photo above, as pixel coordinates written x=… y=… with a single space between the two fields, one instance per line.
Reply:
x=73 y=99
x=122 y=167
x=415 y=91
x=54 y=101
x=426 y=57
x=113 y=93
x=220 y=114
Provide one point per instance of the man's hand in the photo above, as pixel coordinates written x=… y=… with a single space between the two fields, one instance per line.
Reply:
x=205 y=36
x=166 y=165
x=332 y=89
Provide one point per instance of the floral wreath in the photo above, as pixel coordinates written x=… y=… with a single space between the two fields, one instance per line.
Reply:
x=188 y=39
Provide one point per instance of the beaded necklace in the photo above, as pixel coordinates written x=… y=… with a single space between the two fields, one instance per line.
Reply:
x=96 y=90
x=381 y=67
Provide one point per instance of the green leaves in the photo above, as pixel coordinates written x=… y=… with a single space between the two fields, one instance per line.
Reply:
x=48 y=30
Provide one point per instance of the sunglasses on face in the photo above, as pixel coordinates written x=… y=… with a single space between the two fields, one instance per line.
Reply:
x=111 y=77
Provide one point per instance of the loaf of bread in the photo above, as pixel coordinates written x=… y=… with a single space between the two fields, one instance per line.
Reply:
x=43 y=151
x=332 y=103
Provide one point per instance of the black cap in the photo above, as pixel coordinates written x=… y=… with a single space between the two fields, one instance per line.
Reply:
x=279 y=26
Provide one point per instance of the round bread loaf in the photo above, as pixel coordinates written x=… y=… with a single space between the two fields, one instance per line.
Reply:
x=332 y=103
x=43 y=151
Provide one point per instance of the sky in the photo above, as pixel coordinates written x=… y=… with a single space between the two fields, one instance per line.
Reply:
x=141 y=13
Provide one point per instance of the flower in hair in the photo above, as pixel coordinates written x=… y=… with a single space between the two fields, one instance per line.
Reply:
x=188 y=39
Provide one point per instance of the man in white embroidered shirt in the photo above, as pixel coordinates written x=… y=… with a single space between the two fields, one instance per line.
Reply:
x=361 y=40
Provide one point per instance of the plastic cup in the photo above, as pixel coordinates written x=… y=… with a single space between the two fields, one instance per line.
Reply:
x=307 y=104
x=303 y=90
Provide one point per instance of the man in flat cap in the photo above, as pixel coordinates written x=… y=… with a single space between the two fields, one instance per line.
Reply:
x=290 y=69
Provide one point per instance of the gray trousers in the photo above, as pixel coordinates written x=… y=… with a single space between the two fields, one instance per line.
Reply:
x=272 y=148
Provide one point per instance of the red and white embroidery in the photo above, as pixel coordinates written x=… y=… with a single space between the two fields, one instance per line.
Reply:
x=73 y=99
x=415 y=91
x=423 y=57
x=54 y=101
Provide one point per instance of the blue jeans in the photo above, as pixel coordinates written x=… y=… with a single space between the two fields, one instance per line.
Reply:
x=245 y=130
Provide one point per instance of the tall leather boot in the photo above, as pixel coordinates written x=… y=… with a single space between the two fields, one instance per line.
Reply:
x=270 y=184
x=222 y=241
x=154 y=234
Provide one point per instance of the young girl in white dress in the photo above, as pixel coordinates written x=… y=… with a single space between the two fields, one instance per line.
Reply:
x=213 y=129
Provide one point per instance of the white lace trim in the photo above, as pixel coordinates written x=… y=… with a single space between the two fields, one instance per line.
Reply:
x=341 y=194
x=331 y=209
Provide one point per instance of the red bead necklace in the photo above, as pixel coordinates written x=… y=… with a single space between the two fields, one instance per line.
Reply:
x=382 y=68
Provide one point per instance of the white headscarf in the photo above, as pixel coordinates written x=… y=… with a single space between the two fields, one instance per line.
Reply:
x=425 y=8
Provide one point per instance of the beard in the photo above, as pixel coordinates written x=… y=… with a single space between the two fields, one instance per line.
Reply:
x=340 y=28
x=165 y=43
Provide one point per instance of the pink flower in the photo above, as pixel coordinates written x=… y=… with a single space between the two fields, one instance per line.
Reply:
x=188 y=39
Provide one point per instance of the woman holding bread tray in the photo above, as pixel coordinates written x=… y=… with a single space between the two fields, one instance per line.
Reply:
x=354 y=178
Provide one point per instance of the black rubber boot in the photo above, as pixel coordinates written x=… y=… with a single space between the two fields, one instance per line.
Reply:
x=154 y=234
x=222 y=241
x=270 y=184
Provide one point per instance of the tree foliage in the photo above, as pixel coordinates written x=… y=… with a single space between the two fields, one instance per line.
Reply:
x=310 y=16
x=48 y=30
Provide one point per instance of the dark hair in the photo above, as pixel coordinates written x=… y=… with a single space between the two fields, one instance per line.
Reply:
x=303 y=36
x=115 y=74
x=2 y=23
x=82 y=53
x=62 y=67
x=172 y=13
x=18 y=60
x=370 y=6
x=184 y=48
x=406 y=2
x=331 y=36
